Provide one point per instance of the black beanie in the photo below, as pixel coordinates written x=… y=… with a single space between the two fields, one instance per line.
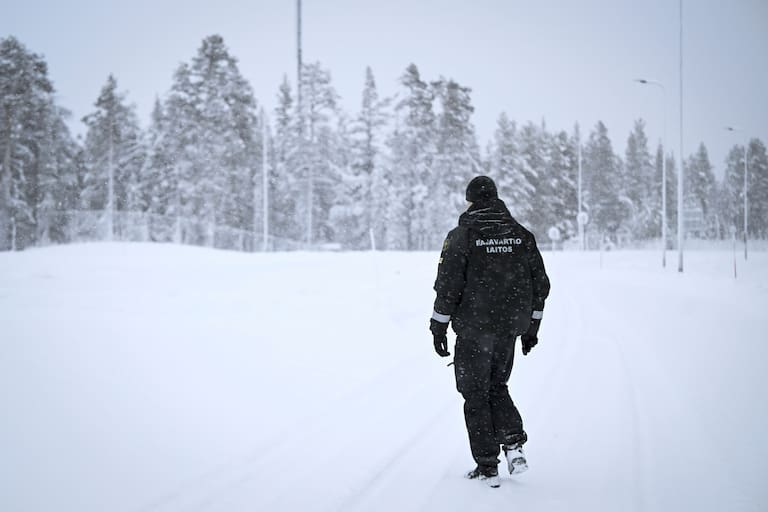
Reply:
x=481 y=187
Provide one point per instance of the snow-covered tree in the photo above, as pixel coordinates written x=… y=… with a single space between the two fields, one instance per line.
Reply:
x=457 y=157
x=285 y=188
x=733 y=188
x=214 y=133
x=506 y=168
x=700 y=189
x=601 y=174
x=532 y=145
x=410 y=168
x=560 y=184
x=38 y=157
x=671 y=194
x=758 y=189
x=637 y=183
x=360 y=209
x=54 y=186
x=757 y=195
x=321 y=156
x=159 y=179
x=113 y=156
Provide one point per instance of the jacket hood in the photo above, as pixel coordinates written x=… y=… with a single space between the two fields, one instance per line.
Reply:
x=488 y=217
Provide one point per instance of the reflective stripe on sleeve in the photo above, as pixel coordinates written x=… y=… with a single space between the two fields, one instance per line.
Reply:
x=443 y=319
x=537 y=315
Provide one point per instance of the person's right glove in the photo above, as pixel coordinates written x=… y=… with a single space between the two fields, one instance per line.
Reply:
x=439 y=331
x=530 y=338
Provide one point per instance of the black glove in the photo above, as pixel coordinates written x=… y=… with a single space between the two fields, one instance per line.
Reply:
x=530 y=338
x=439 y=331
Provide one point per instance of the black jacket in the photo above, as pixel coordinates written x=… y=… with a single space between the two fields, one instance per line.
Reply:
x=491 y=275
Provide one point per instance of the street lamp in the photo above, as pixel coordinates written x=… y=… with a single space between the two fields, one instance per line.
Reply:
x=663 y=168
x=746 y=188
x=681 y=171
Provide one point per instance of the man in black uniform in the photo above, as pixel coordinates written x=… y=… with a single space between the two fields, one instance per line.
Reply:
x=491 y=284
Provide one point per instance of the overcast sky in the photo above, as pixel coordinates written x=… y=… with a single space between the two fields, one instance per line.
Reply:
x=561 y=61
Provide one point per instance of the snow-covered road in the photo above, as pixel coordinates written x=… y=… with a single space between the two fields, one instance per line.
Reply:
x=162 y=378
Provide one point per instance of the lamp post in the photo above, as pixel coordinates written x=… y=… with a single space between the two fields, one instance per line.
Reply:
x=681 y=171
x=663 y=168
x=264 y=183
x=746 y=189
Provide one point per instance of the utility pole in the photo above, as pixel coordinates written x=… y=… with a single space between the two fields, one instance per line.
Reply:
x=298 y=61
x=264 y=182
x=300 y=114
x=111 y=179
x=681 y=170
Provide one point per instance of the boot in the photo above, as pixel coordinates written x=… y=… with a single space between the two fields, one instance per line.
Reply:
x=516 y=462
x=488 y=474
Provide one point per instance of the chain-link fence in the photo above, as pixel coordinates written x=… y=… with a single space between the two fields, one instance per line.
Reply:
x=93 y=225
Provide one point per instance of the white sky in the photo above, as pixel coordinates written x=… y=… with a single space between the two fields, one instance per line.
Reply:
x=562 y=61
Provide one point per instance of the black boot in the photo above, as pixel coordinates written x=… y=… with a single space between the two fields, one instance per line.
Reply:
x=488 y=474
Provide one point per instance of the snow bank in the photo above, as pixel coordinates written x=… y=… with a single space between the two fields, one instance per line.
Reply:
x=156 y=378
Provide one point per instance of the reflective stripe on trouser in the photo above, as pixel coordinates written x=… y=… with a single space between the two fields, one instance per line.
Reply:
x=483 y=363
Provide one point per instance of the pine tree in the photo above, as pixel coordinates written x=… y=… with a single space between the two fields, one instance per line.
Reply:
x=411 y=166
x=24 y=87
x=700 y=182
x=159 y=180
x=360 y=210
x=38 y=163
x=758 y=189
x=757 y=193
x=54 y=188
x=286 y=187
x=560 y=185
x=179 y=151
x=113 y=150
x=398 y=234
x=506 y=168
x=601 y=171
x=637 y=183
x=532 y=144
x=457 y=159
x=213 y=131
x=733 y=188
x=321 y=156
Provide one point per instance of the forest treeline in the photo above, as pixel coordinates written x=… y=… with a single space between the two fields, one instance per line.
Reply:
x=213 y=168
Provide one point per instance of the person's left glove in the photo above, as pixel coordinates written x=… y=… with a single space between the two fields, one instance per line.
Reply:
x=530 y=339
x=439 y=333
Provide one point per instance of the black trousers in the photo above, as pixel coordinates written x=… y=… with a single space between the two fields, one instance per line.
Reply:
x=483 y=363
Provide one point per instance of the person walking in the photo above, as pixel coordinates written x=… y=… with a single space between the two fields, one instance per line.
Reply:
x=491 y=286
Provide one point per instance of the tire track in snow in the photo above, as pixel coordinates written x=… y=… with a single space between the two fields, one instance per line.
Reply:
x=360 y=491
x=572 y=362
x=563 y=349
x=630 y=391
x=637 y=445
x=211 y=486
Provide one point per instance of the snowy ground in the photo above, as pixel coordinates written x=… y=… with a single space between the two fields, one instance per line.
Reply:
x=164 y=378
